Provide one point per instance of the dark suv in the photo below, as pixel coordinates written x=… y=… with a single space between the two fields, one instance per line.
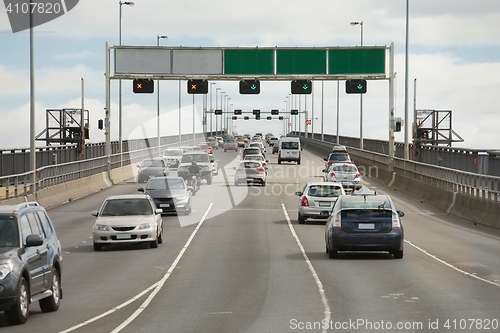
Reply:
x=30 y=261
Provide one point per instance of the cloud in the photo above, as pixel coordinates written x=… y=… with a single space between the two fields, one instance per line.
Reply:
x=81 y=55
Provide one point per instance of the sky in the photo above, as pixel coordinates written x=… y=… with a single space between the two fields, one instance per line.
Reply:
x=454 y=64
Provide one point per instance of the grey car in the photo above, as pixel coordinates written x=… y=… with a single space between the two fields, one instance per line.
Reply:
x=316 y=197
x=151 y=167
x=345 y=173
x=170 y=194
x=30 y=261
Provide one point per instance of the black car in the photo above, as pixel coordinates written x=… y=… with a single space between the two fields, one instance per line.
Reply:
x=151 y=167
x=171 y=194
x=364 y=221
x=30 y=261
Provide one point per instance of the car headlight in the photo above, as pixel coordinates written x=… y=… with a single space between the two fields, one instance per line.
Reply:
x=101 y=227
x=145 y=226
x=181 y=198
x=5 y=269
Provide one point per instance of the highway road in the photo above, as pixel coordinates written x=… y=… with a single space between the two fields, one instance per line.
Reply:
x=242 y=263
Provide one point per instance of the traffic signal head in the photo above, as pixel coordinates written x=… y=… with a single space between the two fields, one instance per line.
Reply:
x=294 y=112
x=234 y=117
x=275 y=112
x=246 y=117
x=398 y=126
x=355 y=86
x=280 y=117
x=237 y=112
x=250 y=87
x=256 y=112
x=301 y=87
x=197 y=87
x=100 y=124
x=218 y=112
x=269 y=118
x=257 y=116
x=142 y=86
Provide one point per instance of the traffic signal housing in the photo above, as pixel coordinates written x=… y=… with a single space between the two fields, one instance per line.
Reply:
x=197 y=87
x=100 y=124
x=256 y=112
x=398 y=127
x=238 y=112
x=142 y=86
x=269 y=118
x=246 y=117
x=250 y=87
x=301 y=87
x=275 y=112
x=218 y=112
x=280 y=117
x=294 y=112
x=257 y=116
x=355 y=86
x=234 y=117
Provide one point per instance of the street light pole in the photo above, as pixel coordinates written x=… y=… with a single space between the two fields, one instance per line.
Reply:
x=158 y=98
x=120 y=139
x=211 y=109
x=360 y=23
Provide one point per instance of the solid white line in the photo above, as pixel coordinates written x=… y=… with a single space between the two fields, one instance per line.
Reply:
x=156 y=286
x=164 y=279
x=452 y=266
x=311 y=268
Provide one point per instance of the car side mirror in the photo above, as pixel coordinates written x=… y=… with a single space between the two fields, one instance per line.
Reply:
x=325 y=159
x=298 y=193
x=267 y=161
x=140 y=189
x=324 y=170
x=95 y=213
x=158 y=211
x=400 y=213
x=34 y=240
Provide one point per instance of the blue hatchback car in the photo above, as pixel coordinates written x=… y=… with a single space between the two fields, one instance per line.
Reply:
x=364 y=221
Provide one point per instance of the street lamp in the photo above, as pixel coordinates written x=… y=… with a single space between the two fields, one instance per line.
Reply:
x=217 y=107
x=211 y=109
x=120 y=142
x=360 y=23
x=158 y=37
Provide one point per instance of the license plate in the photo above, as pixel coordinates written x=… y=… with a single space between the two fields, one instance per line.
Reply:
x=164 y=205
x=324 y=204
x=123 y=236
x=346 y=183
x=366 y=226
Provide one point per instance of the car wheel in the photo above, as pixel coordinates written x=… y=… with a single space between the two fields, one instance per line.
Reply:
x=97 y=247
x=18 y=313
x=398 y=254
x=301 y=219
x=154 y=244
x=225 y=150
x=235 y=183
x=160 y=238
x=279 y=161
x=331 y=253
x=263 y=183
x=51 y=304
x=298 y=162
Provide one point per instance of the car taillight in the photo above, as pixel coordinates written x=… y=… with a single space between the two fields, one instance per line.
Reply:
x=261 y=169
x=330 y=162
x=243 y=155
x=358 y=175
x=337 y=222
x=304 y=202
x=332 y=174
x=240 y=169
x=395 y=221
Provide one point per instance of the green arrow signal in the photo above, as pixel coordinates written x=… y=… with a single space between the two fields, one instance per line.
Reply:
x=359 y=86
x=253 y=87
x=305 y=87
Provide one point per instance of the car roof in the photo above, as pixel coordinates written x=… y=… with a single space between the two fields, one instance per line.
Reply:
x=370 y=201
x=10 y=209
x=127 y=196
x=195 y=152
x=323 y=183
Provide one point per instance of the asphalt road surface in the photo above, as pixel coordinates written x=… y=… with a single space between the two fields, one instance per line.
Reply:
x=242 y=263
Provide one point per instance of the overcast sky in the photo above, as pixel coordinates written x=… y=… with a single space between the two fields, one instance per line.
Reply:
x=454 y=48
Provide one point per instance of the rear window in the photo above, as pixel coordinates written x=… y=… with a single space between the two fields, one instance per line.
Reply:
x=324 y=191
x=345 y=168
x=187 y=158
x=152 y=163
x=250 y=165
x=165 y=184
x=366 y=215
x=290 y=145
x=339 y=157
x=172 y=152
x=255 y=151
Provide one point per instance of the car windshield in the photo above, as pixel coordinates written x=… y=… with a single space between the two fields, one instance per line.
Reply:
x=152 y=163
x=165 y=184
x=172 y=152
x=194 y=157
x=124 y=207
x=324 y=191
x=9 y=236
x=290 y=145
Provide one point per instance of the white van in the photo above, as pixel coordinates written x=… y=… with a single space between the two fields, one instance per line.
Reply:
x=289 y=150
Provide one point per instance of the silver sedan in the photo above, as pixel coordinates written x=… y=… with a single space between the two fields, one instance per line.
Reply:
x=316 y=197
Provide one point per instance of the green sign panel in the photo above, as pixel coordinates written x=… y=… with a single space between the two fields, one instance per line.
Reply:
x=249 y=61
x=356 y=61
x=300 y=61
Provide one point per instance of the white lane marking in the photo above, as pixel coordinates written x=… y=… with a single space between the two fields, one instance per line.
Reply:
x=311 y=268
x=473 y=275
x=156 y=286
